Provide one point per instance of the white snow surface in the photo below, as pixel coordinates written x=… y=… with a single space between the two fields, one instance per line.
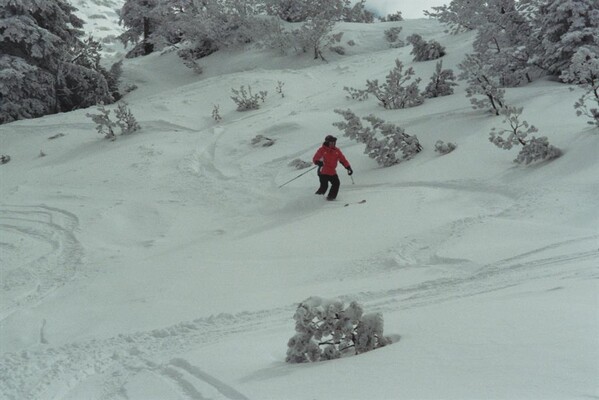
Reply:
x=168 y=264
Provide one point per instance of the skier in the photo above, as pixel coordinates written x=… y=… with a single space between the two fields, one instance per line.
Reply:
x=327 y=157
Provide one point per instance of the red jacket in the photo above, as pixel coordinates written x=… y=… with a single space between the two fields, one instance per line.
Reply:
x=330 y=156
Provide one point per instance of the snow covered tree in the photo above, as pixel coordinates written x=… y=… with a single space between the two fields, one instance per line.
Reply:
x=562 y=27
x=532 y=149
x=441 y=83
x=392 y=94
x=315 y=35
x=392 y=36
x=505 y=42
x=383 y=140
x=40 y=46
x=303 y=10
x=584 y=71
x=358 y=13
x=517 y=132
x=481 y=82
x=461 y=15
x=423 y=50
x=26 y=91
x=327 y=329
x=140 y=18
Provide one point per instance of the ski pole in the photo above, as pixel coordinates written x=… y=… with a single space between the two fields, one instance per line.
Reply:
x=303 y=173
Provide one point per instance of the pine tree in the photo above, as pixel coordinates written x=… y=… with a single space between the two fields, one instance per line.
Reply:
x=40 y=46
x=140 y=18
x=562 y=27
x=504 y=41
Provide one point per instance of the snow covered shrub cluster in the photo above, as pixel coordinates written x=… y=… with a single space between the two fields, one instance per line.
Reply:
x=423 y=50
x=104 y=124
x=444 y=148
x=392 y=36
x=383 y=140
x=584 y=71
x=245 y=100
x=327 y=330
x=533 y=149
x=393 y=94
x=441 y=83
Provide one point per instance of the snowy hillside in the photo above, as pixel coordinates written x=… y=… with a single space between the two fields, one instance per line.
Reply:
x=168 y=264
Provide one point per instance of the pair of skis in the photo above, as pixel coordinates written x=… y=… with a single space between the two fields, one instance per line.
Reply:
x=353 y=202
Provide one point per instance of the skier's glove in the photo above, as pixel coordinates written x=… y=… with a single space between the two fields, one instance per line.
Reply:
x=319 y=163
x=349 y=171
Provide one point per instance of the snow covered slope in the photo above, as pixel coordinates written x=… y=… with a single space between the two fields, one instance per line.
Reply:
x=168 y=264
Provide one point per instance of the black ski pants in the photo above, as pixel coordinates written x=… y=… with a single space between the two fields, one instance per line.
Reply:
x=324 y=184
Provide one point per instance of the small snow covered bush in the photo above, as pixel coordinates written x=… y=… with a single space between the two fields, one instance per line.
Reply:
x=534 y=149
x=393 y=94
x=104 y=124
x=393 y=17
x=327 y=329
x=279 y=88
x=245 y=100
x=537 y=149
x=392 y=36
x=383 y=140
x=441 y=83
x=423 y=50
x=125 y=119
x=299 y=164
x=444 y=148
x=262 y=141
x=216 y=113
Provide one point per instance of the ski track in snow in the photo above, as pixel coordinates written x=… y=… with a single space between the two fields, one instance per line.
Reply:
x=120 y=360
x=26 y=278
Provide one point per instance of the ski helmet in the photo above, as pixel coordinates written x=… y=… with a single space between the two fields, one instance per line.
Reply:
x=330 y=138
